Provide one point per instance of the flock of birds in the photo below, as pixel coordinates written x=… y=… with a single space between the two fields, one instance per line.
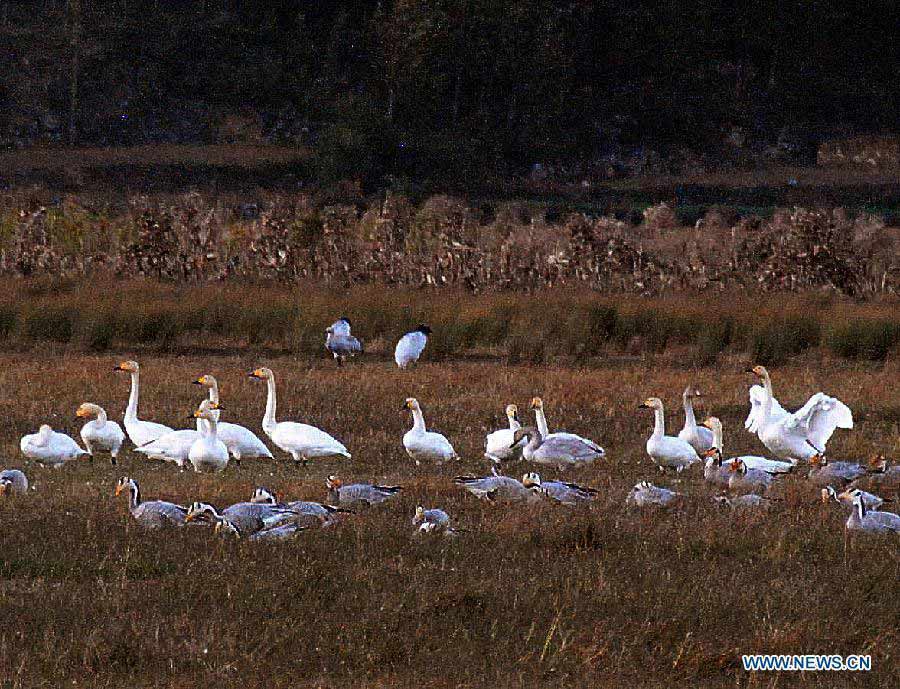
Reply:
x=792 y=438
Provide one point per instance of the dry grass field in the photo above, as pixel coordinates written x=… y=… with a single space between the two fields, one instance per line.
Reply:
x=543 y=596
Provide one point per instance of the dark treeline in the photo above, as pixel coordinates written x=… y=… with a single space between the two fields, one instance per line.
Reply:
x=448 y=87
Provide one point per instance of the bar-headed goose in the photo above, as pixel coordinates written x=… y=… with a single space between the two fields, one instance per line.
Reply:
x=432 y=521
x=365 y=494
x=13 y=482
x=100 y=434
x=871 y=521
x=822 y=471
x=667 y=451
x=540 y=419
x=279 y=532
x=805 y=432
x=645 y=494
x=318 y=513
x=246 y=517
x=746 y=480
x=499 y=446
x=300 y=440
x=340 y=342
x=556 y=450
x=747 y=501
x=570 y=494
x=50 y=448
x=699 y=437
x=242 y=443
x=845 y=498
x=156 y=514
x=497 y=488
x=421 y=444
x=140 y=432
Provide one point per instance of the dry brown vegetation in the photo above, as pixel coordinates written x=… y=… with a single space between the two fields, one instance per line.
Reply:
x=540 y=597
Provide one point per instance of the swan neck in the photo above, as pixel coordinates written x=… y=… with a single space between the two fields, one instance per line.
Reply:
x=659 y=426
x=418 y=420
x=767 y=403
x=101 y=417
x=131 y=410
x=514 y=424
x=541 y=422
x=689 y=419
x=269 y=421
x=211 y=427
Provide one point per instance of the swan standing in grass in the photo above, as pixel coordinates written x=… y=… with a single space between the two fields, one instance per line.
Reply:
x=700 y=438
x=301 y=441
x=557 y=450
x=570 y=494
x=645 y=494
x=537 y=404
x=805 y=432
x=240 y=441
x=770 y=466
x=871 y=521
x=174 y=446
x=140 y=432
x=208 y=453
x=156 y=514
x=364 y=494
x=13 y=482
x=340 y=342
x=50 y=447
x=422 y=444
x=499 y=446
x=100 y=434
x=410 y=346
x=666 y=451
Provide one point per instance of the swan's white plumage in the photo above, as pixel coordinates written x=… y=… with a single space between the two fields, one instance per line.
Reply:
x=666 y=451
x=140 y=432
x=208 y=453
x=498 y=446
x=50 y=447
x=424 y=445
x=242 y=443
x=410 y=347
x=100 y=434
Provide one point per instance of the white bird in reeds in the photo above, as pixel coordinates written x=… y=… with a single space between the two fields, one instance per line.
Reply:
x=424 y=445
x=156 y=514
x=50 y=448
x=140 y=432
x=207 y=453
x=301 y=441
x=799 y=435
x=410 y=347
x=100 y=434
x=340 y=342
x=540 y=419
x=561 y=451
x=499 y=446
x=699 y=437
x=13 y=482
x=667 y=451
x=242 y=443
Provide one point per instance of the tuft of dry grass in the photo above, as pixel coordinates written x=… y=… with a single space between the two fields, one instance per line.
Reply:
x=546 y=596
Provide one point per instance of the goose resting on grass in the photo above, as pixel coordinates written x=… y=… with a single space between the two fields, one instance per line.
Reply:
x=432 y=521
x=356 y=494
x=321 y=513
x=156 y=514
x=570 y=494
x=770 y=466
x=13 y=482
x=497 y=488
x=870 y=521
x=845 y=498
x=645 y=494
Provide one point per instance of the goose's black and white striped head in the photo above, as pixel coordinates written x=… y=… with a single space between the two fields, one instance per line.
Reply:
x=419 y=516
x=201 y=510
x=264 y=496
x=829 y=494
x=737 y=465
x=641 y=486
x=5 y=483
x=859 y=504
x=224 y=527
x=532 y=478
x=333 y=482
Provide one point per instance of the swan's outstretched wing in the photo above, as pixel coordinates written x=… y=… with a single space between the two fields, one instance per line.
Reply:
x=757 y=397
x=820 y=416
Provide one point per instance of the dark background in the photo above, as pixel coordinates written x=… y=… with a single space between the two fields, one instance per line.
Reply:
x=451 y=88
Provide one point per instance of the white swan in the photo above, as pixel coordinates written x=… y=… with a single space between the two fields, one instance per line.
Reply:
x=559 y=450
x=498 y=446
x=100 y=434
x=49 y=447
x=410 y=346
x=700 y=438
x=804 y=433
x=668 y=452
x=208 y=453
x=770 y=466
x=240 y=441
x=537 y=404
x=140 y=432
x=422 y=444
x=173 y=447
x=301 y=441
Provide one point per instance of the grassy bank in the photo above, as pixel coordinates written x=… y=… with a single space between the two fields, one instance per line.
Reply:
x=544 y=326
